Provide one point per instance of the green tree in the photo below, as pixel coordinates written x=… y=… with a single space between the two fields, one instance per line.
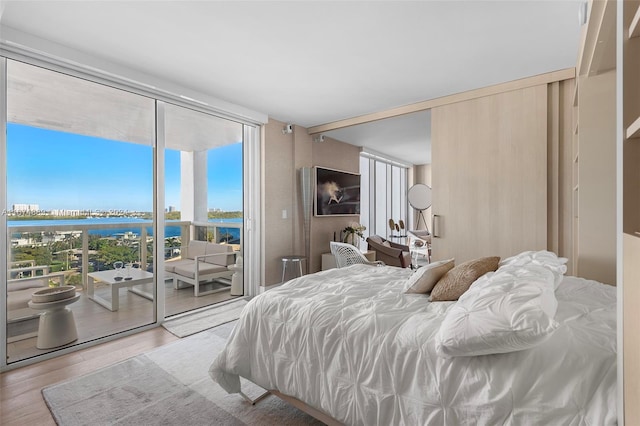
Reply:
x=42 y=255
x=94 y=242
x=109 y=252
x=75 y=279
x=224 y=215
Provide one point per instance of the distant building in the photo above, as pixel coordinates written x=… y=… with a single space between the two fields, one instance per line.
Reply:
x=26 y=208
x=171 y=209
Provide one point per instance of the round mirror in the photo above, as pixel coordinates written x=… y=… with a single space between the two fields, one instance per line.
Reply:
x=419 y=196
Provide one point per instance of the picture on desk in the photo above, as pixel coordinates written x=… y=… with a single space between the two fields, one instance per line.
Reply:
x=337 y=192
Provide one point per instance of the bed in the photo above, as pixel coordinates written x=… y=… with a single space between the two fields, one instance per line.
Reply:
x=352 y=344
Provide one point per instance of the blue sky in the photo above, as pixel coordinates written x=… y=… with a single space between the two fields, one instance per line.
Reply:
x=58 y=170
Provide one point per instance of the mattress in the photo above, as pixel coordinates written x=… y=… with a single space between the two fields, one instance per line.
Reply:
x=350 y=343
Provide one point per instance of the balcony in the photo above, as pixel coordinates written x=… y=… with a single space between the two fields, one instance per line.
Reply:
x=67 y=253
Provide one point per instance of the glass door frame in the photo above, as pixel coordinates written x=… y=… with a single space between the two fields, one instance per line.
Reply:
x=252 y=138
x=4 y=237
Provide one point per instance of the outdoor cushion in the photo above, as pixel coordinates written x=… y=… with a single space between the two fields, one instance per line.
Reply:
x=171 y=265
x=203 y=268
x=221 y=260
x=196 y=248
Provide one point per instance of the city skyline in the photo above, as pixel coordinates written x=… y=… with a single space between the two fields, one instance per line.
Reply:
x=65 y=171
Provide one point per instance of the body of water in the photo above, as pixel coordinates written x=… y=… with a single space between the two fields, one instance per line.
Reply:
x=128 y=225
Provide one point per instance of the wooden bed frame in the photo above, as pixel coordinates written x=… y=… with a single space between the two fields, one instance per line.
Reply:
x=313 y=412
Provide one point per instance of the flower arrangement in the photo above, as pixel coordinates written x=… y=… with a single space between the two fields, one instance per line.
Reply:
x=353 y=228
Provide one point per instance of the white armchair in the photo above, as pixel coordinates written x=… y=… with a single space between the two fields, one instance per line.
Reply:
x=347 y=255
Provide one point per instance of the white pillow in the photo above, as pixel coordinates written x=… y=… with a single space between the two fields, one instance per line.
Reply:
x=509 y=310
x=544 y=258
x=424 y=279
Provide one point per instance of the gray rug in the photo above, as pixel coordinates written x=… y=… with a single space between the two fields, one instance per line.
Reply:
x=167 y=386
x=203 y=320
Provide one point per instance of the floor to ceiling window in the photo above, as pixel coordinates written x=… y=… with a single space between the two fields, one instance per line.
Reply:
x=81 y=203
x=84 y=166
x=204 y=195
x=384 y=195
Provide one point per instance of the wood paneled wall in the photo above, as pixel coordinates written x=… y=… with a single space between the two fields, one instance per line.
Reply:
x=597 y=174
x=503 y=169
x=490 y=175
x=560 y=160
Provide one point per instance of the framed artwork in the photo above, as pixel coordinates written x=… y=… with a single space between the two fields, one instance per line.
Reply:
x=337 y=192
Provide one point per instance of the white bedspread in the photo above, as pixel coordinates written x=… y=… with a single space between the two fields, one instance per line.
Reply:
x=350 y=343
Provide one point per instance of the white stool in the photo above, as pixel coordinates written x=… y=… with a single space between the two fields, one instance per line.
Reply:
x=57 y=326
x=286 y=260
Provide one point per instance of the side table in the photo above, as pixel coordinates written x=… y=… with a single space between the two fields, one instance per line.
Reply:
x=57 y=326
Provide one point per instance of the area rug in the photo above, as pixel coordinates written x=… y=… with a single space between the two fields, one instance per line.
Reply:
x=203 y=320
x=167 y=386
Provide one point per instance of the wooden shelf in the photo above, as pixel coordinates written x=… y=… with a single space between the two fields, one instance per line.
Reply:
x=634 y=28
x=633 y=131
x=599 y=43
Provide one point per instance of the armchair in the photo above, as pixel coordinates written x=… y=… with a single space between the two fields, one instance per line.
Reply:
x=347 y=255
x=390 y=253
x=202 y=262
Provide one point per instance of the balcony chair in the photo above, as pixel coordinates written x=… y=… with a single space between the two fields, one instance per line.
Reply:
x=347 y=255
x=202 y=262
x=392 y=254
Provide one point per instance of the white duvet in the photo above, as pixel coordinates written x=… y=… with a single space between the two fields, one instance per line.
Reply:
x=352 y=344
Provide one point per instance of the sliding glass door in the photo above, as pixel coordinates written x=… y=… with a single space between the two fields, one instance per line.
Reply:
x=204 y=199
x=103 y=187
x=80 y=197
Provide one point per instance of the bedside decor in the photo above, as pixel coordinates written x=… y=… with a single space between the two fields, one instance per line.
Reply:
x=349 y=233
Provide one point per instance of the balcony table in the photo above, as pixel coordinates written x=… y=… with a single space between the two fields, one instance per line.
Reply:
x=138 y=277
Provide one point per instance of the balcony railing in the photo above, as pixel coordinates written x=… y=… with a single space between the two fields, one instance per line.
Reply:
x=23 y=235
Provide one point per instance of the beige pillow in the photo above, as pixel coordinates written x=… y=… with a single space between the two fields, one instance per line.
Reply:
x=423 y=280
x=386 y=244
x=458 y=280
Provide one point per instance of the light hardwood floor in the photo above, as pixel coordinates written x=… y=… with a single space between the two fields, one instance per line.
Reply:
x=21 y=401
x=94 y=321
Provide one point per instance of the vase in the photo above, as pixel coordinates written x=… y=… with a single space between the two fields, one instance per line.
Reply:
x=352 y=239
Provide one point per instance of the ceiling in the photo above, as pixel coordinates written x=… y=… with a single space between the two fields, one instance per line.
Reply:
x=313 y=62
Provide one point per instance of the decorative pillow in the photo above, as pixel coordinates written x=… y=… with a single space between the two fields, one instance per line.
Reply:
x=386 y=243
x=544 y=258
x=507 y=311
x=458 y=280
x=423 y=280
